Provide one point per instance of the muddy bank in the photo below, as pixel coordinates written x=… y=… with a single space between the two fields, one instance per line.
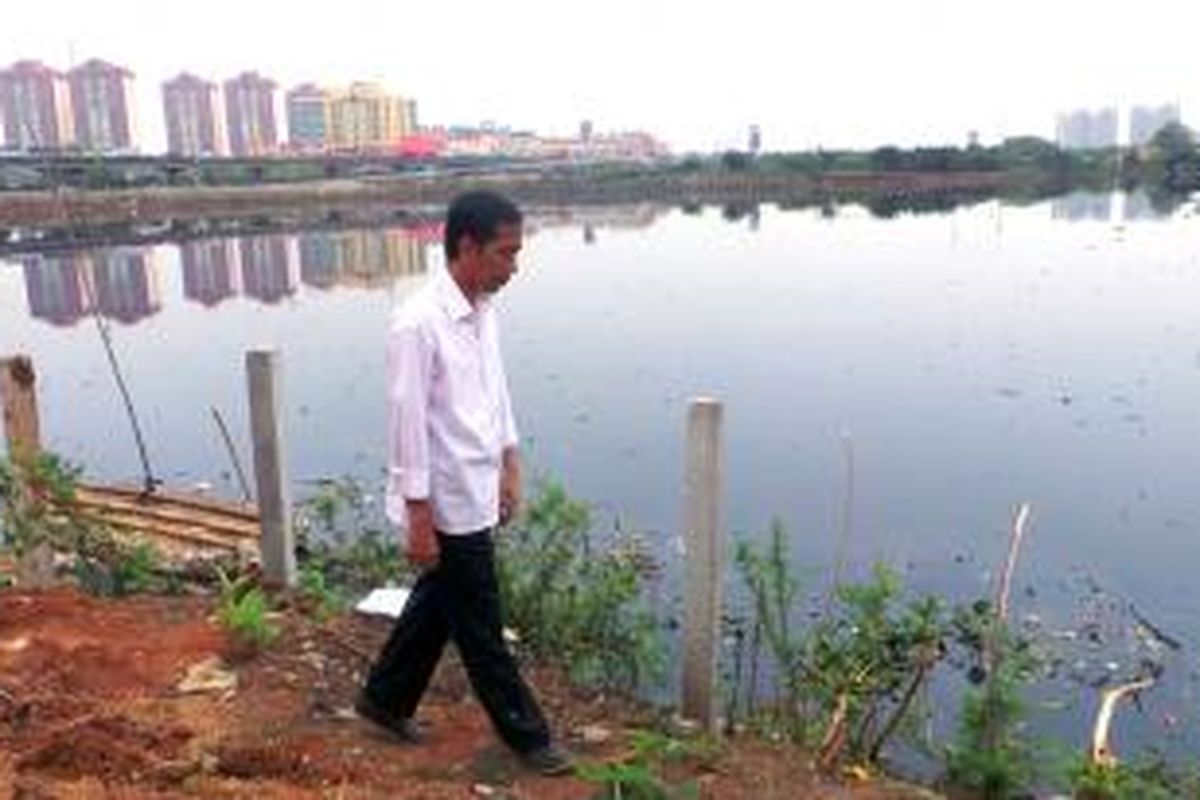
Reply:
x=92 y=705
x=71 y=207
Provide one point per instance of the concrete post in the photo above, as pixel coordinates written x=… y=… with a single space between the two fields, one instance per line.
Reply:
x=264 y=370
x=18 y=393
x=704 y=545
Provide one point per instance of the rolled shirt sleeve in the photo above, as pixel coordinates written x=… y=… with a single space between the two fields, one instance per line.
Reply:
x=409 y=369
x=508 y=423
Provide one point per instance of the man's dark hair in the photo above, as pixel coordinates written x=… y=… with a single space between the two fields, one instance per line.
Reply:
x=477 y=214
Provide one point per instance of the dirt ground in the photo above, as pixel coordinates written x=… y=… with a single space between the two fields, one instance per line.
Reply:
x=91 y=706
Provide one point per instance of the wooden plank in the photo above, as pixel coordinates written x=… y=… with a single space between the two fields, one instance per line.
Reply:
x=194 y=508
x=167 y=515
x=233 y=510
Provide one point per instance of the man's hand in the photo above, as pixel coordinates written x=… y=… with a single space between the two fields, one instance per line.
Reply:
x=510 y=486
x=422 y=541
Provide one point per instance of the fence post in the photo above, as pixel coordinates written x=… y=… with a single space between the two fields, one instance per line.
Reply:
x=264 y=370
x=18 y=393
x=704 y=546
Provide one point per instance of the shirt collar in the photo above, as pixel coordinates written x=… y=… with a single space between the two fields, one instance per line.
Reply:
x=453 y=301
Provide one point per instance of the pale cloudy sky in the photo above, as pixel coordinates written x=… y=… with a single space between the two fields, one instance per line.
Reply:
x=839 y=73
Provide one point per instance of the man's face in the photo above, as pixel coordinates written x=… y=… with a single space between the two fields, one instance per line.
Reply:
x=496 y=261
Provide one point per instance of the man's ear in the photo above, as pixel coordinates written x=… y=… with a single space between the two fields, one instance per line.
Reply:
x=467 y=246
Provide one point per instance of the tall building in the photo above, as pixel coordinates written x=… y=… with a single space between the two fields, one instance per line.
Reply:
x=194 y=119
x=250 y=115
x=102 y=105
x=365 y=117
x=1087 y=130
x=35 y=106
x=1146 y=121
x=307 y=118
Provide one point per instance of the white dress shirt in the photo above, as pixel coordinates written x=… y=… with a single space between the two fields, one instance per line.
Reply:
x=449 y=413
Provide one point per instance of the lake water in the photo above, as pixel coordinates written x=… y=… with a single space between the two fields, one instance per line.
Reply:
x=966 y=361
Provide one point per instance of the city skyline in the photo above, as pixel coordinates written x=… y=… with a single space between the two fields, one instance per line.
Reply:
x=852 y=75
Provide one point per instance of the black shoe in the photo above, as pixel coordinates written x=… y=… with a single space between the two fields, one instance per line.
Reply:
x=550 y=761
x=406 y=729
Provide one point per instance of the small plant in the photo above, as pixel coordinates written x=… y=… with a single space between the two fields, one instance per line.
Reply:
x=575 y=603
x=242 y=610
x=638 y=778
x=849 y=680
x=1149 y=779
x=339 y=532
x=316 y=592
x=990 y=754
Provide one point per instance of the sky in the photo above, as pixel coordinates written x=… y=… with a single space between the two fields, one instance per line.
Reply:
x=831 y=73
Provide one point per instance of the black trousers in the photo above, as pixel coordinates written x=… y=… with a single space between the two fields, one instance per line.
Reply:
x=458 y=598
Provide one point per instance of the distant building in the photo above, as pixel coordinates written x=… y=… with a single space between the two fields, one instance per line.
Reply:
x=308 y=118
x=1087 y=130
x=250 y=115
x=35 y=106
x=585 y=131
x=365 y=117
x=210 y=270
x=1146 y=121
x=754 y=144
x=103 y=107
x=195 y=122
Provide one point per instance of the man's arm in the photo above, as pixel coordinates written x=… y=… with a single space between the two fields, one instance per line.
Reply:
x=510 y=471
x=510 y=485
x=409 y=367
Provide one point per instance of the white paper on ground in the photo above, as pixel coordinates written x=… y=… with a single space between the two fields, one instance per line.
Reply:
x=388 y=602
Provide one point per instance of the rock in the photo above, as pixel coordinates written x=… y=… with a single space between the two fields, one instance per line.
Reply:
x=207 y=676
x=683 y=727
x=14 y=645
x=483 y=790
x=594 y=734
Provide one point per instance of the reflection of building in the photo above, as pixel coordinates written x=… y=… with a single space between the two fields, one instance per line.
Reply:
x=35 y=107
x=1082 y=206
x=209 y=270
x=267 y=273
x=102 y=104
x=1087 y=130
x=318 y=259
x=195 y=124
x=307 y=116
x=368 y=258
x=634 y=216
x=1145 y=121
x=126 y=284
x=365 y=117
x=250 y=115
x=57 y=288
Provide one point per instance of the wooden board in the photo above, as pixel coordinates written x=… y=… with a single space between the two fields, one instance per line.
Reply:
x=174 y=521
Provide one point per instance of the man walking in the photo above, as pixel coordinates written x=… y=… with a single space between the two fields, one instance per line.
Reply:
x=454 y=476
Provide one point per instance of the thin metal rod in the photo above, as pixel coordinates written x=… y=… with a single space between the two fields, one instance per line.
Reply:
x=149 y=482
x=233 y=456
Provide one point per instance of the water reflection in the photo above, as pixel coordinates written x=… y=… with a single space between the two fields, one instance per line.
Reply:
x=210 y=271
x=369 y=259
x=120 y=283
